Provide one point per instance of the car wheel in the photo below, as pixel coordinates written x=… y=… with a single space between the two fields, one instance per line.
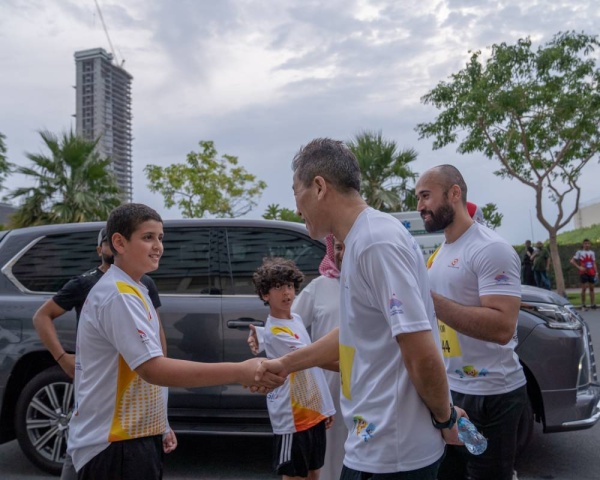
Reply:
x=42 y=418
x=525 y=429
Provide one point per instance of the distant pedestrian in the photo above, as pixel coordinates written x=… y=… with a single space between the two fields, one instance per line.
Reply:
x=527 y=277
x=585 y=261
x=541 y=264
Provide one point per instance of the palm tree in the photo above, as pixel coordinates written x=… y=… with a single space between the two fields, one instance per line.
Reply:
x=387 y=180
x=72 y=184
x=5 y=166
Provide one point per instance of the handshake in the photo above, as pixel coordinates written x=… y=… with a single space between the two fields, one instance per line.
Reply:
x=261 y=375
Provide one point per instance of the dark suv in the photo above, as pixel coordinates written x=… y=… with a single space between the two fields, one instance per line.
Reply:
x=208 y=302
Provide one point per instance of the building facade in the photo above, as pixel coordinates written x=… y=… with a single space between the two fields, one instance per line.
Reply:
x=103 y=110
x=588 y=214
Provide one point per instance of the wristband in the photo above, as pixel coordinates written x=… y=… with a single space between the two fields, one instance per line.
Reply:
x=60 y=356
x=448 y=423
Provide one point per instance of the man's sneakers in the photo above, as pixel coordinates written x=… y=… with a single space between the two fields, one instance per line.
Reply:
x=594 y=306
x=584 y=308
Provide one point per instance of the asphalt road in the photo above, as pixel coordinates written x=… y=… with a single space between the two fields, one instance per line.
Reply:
x=556 y=456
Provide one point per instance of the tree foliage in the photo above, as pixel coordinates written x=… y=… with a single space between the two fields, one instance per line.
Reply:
x=5 y=166
x=491 y=216
x=71 y=184
x=275 y=212
x=387 y=182
x=536 y=111
x=206 y=185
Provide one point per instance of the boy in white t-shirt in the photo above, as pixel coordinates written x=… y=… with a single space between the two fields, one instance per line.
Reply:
x=119 y=423
x=302 y=408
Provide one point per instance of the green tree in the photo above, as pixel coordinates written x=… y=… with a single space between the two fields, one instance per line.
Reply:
x=491 y=216
x=71 y=184
x=537 y=112
x=206 y=184
x=5 y=166
x=387 y=182
x=275 y=212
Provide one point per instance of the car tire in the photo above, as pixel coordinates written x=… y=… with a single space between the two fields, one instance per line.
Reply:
x=525 y=428
x=42 y=417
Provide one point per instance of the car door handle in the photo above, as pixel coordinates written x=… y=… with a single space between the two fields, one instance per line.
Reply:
x=244 y=323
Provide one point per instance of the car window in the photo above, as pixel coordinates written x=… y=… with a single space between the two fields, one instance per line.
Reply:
x=246 y=248
x=185 y=266
x=55 y=259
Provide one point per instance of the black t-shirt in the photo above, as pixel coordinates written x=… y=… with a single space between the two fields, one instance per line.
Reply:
x=527 y=258
x=75 y=291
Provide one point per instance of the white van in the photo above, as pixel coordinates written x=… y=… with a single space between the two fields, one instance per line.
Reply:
x=414 y=224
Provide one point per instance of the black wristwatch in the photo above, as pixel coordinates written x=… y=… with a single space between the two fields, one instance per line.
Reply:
x=447 y=424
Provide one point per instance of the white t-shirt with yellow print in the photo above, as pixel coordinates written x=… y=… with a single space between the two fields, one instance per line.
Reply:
x=384 y=292
x=118 y=331
x=478 y=263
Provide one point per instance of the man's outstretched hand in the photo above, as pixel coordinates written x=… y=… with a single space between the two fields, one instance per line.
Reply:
x=263 y=383
x=269 y=368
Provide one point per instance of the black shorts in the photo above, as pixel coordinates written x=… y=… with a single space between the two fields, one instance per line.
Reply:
x=295 y=454
x=585 y=278
x=137 y=459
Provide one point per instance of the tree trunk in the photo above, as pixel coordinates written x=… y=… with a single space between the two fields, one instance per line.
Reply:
x=556 y=265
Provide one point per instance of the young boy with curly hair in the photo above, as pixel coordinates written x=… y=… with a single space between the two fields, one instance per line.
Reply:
x=301 y=409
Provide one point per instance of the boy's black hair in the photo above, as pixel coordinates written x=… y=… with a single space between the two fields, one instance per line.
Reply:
x=126 y=218
x=276 y=271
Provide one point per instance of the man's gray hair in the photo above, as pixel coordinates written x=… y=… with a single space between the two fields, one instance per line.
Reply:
x=330 y=159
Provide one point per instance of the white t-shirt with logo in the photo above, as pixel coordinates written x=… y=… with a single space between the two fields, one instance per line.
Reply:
x=303 y=401
x=118 y=331
x=384 y=292
x=479 y=263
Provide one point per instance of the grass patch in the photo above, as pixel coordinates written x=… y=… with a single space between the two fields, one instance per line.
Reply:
x=575 y=299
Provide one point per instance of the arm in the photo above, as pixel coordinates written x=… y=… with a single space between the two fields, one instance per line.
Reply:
x=169 y=372
x=494 y=321
x=323 y=353
x=427 y=372
x=43 y=321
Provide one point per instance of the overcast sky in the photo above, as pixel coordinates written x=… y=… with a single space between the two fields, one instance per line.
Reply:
x=261 y=78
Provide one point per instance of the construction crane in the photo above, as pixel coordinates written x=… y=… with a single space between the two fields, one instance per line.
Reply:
x=112 y=49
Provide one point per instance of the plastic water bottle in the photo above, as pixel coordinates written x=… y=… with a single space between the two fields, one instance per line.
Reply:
x=475 y=442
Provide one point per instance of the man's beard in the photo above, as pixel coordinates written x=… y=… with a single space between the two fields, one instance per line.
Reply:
x=439 y=219
x=108 y=259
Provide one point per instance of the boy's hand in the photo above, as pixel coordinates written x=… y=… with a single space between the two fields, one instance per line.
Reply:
x=169 y=441
x=253 y=340
x=329 y=422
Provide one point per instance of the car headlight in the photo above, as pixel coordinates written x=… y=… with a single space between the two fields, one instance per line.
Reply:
x=556 y=316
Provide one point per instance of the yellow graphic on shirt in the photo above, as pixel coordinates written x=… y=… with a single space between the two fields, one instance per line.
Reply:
x=305 y=395
x=139 y=407
x=346 y=363
x=128 y=289
x=277 y=330
x=307 y=402
x=449 y=340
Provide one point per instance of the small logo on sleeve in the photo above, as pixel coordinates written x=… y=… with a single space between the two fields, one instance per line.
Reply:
x=502 y=279
x=395 y=306
x=143 y=336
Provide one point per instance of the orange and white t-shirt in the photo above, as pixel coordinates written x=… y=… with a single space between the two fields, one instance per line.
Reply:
x=118 y=331
x=303 y=401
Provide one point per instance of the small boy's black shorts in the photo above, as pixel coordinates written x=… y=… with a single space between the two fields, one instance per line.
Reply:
x=295 y=454
x=137 y=459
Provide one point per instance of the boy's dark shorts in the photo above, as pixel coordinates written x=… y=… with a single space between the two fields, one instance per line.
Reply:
x=587 y=279
x=295 y=454
x=137 y=459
